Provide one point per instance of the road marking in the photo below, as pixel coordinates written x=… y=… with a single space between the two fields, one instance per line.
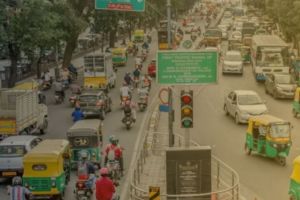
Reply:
x=125 y=190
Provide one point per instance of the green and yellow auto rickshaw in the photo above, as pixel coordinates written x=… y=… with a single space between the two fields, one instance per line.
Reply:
x=119 y=56
x=246 y=54
x=294 y=190
x=47 y=169
x=86 y=135
x=269 y=136
x=296 y=103
x=138 y=36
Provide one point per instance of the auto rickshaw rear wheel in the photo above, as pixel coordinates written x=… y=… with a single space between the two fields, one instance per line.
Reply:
x=295 y=114
x=281 y=160
x=248 y=150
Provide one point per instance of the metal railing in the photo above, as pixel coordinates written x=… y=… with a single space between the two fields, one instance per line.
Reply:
x=225 y=181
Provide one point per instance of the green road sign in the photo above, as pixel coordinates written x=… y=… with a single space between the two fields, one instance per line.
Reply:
x=121 y=5
x=187 y=67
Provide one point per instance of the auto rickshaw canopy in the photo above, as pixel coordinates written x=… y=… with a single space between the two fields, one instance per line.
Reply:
x=88 y=126
x=119 y=51
x=296 y=170
x=46 y=159
x=267 y=121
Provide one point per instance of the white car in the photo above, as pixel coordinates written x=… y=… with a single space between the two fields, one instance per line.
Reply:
x=242 y=104
x=233 y=63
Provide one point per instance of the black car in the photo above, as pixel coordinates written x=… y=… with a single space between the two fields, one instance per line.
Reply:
x=94 y=104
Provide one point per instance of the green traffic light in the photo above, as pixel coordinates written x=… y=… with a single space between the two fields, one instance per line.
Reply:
x=187 y=123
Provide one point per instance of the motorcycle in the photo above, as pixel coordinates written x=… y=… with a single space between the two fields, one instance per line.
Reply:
x=46 y=85
x=114 y=169
x=58 y=96
x=128 y=119
x=82 y=191
x=143 y=102
x=136 y=81
x=123 y=100
x=193 y=38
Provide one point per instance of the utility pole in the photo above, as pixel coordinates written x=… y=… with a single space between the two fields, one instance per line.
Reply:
x=169 y=23
x=170 y=102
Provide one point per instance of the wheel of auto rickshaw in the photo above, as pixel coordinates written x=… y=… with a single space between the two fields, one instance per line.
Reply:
x=248 y=150
x=281 y=160
x=295 y=114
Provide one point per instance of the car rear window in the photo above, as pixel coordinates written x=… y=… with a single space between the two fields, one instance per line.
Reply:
x=88 y=98
x=12 y=150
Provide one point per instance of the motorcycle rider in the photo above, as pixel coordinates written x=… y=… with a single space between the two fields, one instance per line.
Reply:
x=58 y=88
x=144 y=92
x=146 y=81
x=114 y=152
x=105 y=189
x=85 y=169
x=77 y=114
x=125 y=91
x=136 y=76
x=127 y=78
x=129 y=107
x=17 y=191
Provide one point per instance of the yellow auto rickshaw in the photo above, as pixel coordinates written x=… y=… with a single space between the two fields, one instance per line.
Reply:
x=294 y=190
x=296 y=103
x=138 y=36
x=269 y=136
x=47 y=169
x=119 y=56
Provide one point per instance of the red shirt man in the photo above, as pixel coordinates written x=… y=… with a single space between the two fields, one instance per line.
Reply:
x=105 y=188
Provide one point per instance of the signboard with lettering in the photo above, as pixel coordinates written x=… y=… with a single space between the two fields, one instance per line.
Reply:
x=189 y=172
x=187 y=67
x=121 y=5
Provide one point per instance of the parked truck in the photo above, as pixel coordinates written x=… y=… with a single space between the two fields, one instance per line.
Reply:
x=269 y=55
x=20 y=113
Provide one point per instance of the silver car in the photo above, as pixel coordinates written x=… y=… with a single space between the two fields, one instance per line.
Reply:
x=12 y=151
x=233 y=63
x=280 y=85
x=242 y=104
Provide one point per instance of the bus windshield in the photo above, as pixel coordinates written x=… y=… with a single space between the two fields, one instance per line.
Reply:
x=270 y=59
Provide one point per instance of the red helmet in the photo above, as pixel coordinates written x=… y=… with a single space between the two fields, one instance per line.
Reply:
x=103 y=171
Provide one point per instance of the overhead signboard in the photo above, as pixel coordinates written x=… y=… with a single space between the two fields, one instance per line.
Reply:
x=187 y=67
x=121 y=5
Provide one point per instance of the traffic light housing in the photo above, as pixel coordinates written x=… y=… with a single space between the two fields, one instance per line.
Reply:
x=186 y=99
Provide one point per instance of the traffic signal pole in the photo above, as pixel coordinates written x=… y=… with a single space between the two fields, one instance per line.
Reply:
x=187 y=138
x=169 y=23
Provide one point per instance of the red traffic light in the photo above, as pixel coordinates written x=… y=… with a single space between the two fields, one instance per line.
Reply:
x=186 y=98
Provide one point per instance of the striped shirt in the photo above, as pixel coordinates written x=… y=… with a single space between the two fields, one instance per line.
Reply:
x=18 y=192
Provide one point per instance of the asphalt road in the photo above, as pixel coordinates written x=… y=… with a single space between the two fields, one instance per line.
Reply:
x=260 y=177
x=60 y=120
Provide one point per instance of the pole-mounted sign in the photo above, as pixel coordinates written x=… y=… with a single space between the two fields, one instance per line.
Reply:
x=121 y=5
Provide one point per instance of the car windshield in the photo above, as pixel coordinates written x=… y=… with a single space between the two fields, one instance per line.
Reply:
x=249 y=99
x=233 y=58
x=280 y=130
x=12 y=150
x=88 y=98
x=283 y=79
x=272 y=59
x=213 y=33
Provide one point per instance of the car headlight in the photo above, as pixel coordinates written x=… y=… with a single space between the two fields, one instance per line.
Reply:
x=243 y=112
x=279 y=88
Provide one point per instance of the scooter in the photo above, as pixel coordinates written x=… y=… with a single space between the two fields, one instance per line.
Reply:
x=46 y=85
x=143 y=102
x=82 y=191
x=128 y=119
x=114 y=169
x=58 y=97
